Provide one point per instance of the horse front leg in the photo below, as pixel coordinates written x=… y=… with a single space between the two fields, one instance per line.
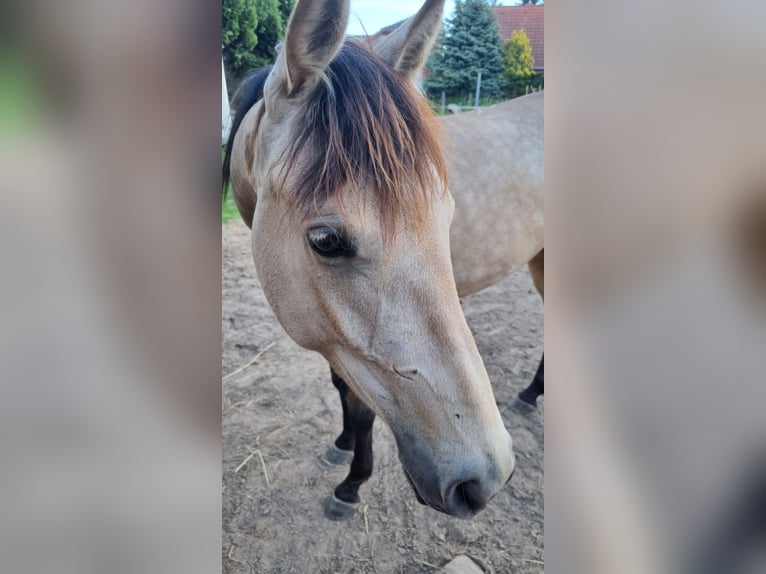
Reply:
x=358 y=419
x=342 y=450
x=526 y=401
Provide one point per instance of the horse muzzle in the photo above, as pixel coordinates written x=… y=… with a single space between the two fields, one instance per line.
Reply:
x=464 y=491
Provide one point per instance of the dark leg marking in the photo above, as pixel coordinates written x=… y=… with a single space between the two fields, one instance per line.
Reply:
x=537 y=386
x=360 y=419
x=526 y=401
x=342 y=450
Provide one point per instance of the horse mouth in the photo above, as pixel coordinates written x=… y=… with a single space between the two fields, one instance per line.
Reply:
x=420 y=499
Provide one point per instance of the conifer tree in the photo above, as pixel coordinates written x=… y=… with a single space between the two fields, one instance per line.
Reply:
x=517 y=63
x=471 y=43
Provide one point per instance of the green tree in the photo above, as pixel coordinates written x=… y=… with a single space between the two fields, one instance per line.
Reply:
x=285 y=9
x=239 y=21
x=251 y=29
x=517 y=65
x=471 y=43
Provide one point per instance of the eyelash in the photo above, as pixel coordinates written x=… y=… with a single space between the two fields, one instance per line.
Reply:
x=338 y=245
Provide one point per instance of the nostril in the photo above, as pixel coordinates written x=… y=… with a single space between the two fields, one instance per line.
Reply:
x=467 y=498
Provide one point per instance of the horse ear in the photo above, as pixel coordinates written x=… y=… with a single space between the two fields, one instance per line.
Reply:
x=407 y=48
x=314 y=35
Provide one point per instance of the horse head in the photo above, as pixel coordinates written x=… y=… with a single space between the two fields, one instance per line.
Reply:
x=339 y=172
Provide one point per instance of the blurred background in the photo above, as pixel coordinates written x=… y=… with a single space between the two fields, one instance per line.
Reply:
x=656 y=294
x=656 y=307
x=110 y=250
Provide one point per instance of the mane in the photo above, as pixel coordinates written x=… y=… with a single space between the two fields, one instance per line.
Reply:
x=247 y=95
x=370 y=132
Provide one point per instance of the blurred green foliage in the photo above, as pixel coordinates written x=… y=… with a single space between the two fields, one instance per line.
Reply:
x=251 y=30
x=21 y=99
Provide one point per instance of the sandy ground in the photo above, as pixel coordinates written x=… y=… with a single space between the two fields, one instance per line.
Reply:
x=281 y=413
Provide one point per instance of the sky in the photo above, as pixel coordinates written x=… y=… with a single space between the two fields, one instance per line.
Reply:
x=369 y=16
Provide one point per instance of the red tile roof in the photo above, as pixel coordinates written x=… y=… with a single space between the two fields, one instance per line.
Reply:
x=531 y=19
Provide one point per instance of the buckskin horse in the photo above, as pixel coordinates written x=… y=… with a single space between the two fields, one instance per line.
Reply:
x=339 y=172
x=336 y=165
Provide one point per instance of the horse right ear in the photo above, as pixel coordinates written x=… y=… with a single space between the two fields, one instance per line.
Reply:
x=407 y=48
x=314 y=35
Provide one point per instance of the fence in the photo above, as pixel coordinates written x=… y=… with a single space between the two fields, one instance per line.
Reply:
x=533 y=84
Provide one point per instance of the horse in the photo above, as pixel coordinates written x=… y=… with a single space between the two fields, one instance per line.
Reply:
x=338 y=170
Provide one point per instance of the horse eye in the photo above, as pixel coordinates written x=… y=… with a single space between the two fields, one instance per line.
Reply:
x=329 y=242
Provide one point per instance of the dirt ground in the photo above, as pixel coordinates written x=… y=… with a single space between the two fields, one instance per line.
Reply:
x=281 y=413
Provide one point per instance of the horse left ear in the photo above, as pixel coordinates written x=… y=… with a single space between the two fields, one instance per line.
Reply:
x=407 y=48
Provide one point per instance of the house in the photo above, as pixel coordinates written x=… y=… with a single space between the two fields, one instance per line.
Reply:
x=530 y=18
x=382 y=33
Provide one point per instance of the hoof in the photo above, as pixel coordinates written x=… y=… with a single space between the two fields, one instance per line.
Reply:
x=334 y=455
x=336 y=509
x=522 y=407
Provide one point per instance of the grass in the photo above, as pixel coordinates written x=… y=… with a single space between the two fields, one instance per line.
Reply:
x=229 y=210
